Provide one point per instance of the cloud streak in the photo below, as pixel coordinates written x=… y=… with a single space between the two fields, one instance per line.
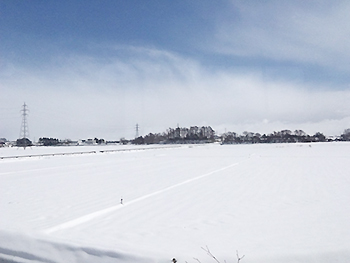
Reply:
x=313 y=32
x=89 y=96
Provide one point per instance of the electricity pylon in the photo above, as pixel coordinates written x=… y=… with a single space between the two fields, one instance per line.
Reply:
x=24 y=133
x=137 y=131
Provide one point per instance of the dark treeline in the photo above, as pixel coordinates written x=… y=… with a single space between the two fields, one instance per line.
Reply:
x=24 y=142
x=203 y=134
x=179 y=136
x=207 y=134
x=48 y=141
x=284 y=136
x=44 y=141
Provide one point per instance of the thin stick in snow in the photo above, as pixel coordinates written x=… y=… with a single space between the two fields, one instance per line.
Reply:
x=210 y=254
x=239 y=258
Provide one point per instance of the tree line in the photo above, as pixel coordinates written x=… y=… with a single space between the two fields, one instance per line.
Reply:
x=207 y=134
x=45 y=141
x=284 y=136
x=204 y=134
x=194 y=134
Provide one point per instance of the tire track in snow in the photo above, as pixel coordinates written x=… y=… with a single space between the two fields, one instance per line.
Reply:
x=74 y=153
x=91 y=216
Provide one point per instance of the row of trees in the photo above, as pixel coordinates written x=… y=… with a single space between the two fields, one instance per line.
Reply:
x=284 y=136
x=194 y=133
x=48 y=141
x=207 y=134
x=179 y=135
x=44 y=141
x=203 y=134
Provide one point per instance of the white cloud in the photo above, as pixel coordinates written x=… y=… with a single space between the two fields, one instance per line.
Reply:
x=81 y=97
x=315 y=32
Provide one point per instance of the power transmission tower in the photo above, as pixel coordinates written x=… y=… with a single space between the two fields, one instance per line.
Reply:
x=24 y=133
x=137 y=131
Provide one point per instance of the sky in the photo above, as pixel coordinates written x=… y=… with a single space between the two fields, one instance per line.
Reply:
x=89 y=69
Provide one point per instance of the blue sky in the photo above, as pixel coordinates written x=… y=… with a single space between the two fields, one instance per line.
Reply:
x=96 y=68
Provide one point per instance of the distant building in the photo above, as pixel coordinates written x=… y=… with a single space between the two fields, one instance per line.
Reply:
x=87 y=142
x=3 y=142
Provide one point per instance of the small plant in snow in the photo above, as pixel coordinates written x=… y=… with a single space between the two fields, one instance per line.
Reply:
x=239 y=258
x=206 y=249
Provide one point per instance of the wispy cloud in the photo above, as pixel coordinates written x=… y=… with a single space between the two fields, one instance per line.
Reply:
x=313 y=32
x=89 y=96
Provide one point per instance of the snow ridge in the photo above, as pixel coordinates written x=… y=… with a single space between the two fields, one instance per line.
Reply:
x=18 y=248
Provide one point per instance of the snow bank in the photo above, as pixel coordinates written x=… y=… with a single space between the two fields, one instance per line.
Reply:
x=27 y=249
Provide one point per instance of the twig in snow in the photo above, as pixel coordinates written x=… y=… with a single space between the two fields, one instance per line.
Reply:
x=239 y=258
x=210 y=254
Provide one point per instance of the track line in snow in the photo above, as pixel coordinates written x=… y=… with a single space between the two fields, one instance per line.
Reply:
x=86 y=152
x=91 y=216
x=75 y=153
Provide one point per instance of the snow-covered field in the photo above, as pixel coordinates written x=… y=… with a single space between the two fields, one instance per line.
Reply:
x=277 y=203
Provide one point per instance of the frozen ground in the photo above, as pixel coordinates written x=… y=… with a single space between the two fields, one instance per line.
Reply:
x=273 y=203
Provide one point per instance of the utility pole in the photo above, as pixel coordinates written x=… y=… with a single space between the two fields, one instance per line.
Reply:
x=137 y=131
x=24 y=133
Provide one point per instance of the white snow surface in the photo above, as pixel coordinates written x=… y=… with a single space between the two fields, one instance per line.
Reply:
x=277 y=203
